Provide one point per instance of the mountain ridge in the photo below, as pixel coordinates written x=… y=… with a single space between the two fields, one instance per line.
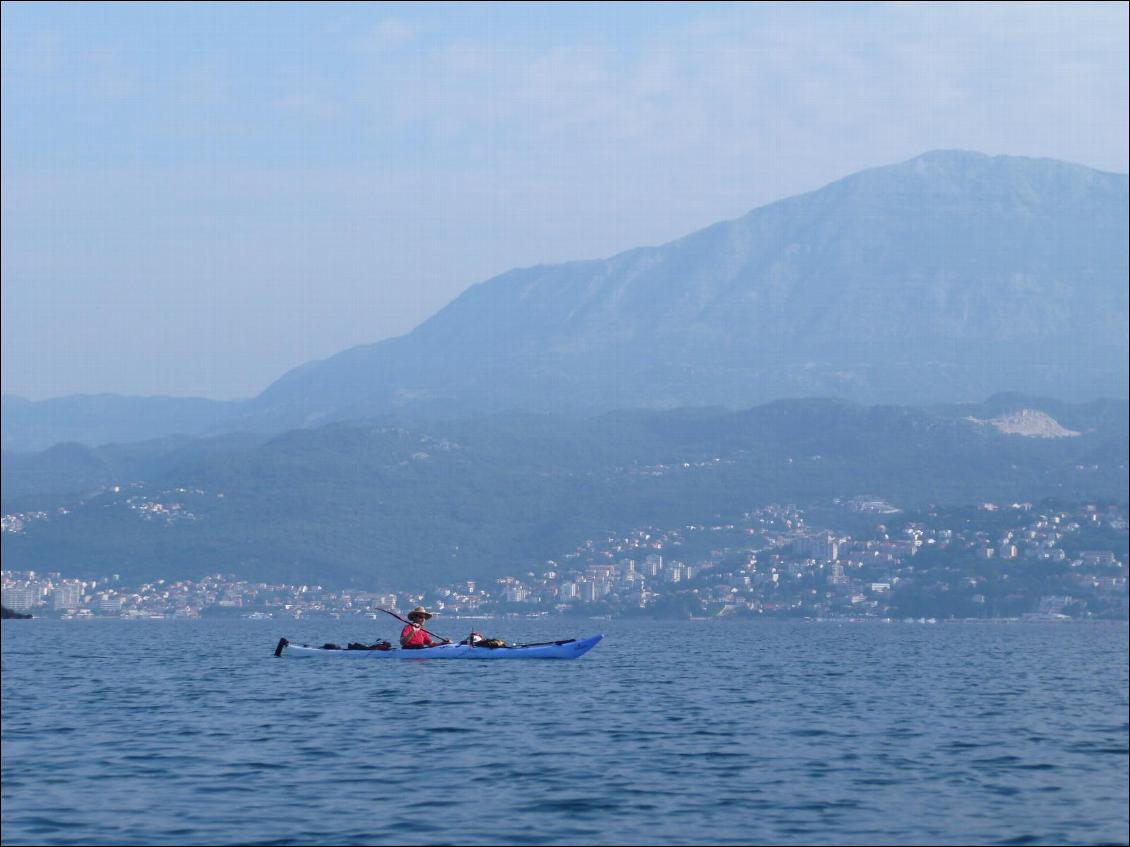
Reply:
x=32 y=425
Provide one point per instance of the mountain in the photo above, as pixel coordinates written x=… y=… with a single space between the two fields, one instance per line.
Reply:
x=945 y=278
x=386 y=504
x=942 y=279
x=102 y=418
x=71 y=468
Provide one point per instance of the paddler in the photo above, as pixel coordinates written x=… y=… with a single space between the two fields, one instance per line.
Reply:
x=414 y=636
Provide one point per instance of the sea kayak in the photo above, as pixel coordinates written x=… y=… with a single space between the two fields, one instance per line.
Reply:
x=572 y=648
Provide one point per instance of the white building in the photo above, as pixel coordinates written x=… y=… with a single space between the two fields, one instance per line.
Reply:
x=109 y=604
x=67 y=596
x=20 y=599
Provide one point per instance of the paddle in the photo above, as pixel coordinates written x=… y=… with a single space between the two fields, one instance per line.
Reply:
x=432 y=634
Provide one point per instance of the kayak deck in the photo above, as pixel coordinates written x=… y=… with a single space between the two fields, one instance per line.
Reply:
x=572 y=648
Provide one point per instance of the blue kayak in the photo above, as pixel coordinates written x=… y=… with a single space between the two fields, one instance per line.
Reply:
x=572 y=648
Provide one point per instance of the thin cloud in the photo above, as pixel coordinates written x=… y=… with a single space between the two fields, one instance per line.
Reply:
x=384 y=35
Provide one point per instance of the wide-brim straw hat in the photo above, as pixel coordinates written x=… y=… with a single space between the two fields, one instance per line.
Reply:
x=419 y=612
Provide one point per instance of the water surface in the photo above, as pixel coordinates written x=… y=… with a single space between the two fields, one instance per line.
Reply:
x=690 y=732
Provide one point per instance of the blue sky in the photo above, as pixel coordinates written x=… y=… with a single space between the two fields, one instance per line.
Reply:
x=197 y=197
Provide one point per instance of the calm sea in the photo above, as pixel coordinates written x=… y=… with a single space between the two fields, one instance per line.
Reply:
x=675 y=733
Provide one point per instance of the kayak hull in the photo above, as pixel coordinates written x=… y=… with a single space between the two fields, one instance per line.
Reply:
x=571 y=649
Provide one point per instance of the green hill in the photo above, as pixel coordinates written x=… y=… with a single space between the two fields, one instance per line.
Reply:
x=387 y=503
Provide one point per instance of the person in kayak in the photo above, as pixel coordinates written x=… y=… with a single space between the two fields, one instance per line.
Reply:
x=414 y=636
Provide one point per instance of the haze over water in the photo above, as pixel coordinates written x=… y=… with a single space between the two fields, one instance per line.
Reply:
x=704 y=732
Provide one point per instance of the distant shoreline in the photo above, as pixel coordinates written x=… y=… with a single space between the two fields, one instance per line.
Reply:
x=719 y=619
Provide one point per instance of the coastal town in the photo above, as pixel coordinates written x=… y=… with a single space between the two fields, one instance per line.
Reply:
x=1015 y=560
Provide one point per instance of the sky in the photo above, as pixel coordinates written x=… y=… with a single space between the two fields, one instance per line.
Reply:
x=197 y=198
